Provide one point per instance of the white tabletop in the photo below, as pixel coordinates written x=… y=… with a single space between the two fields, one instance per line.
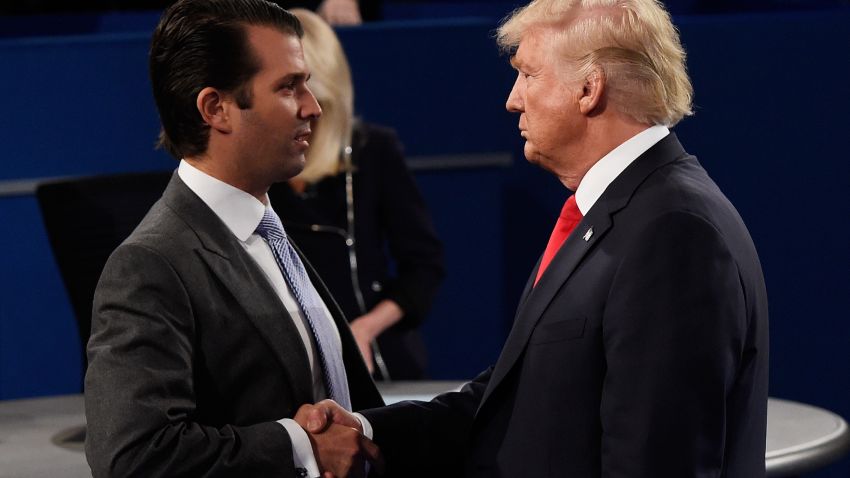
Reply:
x=34 y=433
x=802 y=438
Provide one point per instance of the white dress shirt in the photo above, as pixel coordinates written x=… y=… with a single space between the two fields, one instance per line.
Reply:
x=606 y=170
x=241 y=213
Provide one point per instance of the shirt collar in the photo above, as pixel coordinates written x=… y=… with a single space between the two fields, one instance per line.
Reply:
x=606 y=170
x=238 y=210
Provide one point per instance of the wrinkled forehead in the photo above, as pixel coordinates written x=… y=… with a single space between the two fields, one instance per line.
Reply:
x=536 y=45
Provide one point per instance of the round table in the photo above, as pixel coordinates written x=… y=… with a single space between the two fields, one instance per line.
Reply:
x=40 y=436
x=802 y=438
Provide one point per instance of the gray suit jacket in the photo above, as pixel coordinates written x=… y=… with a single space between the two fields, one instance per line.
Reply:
x=192 y=356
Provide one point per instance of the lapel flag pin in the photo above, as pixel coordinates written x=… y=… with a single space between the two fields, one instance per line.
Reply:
x=588 y=234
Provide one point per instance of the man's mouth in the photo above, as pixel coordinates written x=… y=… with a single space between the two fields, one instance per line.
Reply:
x=303 y=137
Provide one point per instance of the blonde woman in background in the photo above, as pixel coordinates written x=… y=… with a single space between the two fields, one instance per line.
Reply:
x=354 y=201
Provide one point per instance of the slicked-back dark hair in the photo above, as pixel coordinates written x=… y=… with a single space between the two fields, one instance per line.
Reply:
x=204 y=43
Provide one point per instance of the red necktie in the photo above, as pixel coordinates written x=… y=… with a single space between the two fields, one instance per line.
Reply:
x=567 y=221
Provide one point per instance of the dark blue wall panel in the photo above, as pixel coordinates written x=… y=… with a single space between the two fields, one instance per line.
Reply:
x=464 y=331
x=39 y=343
x=442 y=86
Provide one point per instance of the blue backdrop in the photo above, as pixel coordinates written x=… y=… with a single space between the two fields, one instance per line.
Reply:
x=771 y=104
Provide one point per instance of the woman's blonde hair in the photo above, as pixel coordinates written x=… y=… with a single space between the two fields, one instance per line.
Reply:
x=331 y=83
x=633 y=42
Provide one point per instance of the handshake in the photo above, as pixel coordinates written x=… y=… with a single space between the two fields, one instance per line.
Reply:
x=340 y=448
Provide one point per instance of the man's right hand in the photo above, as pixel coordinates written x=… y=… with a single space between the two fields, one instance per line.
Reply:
x=316 y=418
x=338 y=443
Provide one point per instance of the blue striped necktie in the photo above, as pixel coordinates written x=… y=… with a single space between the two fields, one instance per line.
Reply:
x=329 y=351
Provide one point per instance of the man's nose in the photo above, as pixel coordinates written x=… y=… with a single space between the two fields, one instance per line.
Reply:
x=310 y=108
x=515 y=103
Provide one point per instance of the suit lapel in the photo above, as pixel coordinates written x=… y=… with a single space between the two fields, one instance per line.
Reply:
x=246 y=282
x=536 y=299
x=529 y=284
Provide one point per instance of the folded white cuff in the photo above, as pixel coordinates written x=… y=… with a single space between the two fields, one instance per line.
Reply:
x=302 y=449
x=367 y=427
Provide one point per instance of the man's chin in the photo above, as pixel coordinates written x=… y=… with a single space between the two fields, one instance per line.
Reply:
x=292 y=168
x=538 y=160
x=531 y=155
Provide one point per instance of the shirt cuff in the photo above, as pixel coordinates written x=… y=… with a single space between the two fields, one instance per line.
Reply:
x=302 y=449
x=364 y=424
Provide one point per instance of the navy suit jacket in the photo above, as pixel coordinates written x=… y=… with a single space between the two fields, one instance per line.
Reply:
x=641 y=352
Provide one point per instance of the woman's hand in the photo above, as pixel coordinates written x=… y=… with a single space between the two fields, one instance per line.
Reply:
x=370 y=325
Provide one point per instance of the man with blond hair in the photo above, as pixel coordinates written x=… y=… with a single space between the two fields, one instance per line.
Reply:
x=640 y=344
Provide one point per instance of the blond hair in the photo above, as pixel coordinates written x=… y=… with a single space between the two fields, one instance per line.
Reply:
x=633 y=42
x=331 y=83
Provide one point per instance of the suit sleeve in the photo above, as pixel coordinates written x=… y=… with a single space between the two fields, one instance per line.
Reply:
x=426 y=439
x=673 y=330
x=140 y=397
x=410 y=233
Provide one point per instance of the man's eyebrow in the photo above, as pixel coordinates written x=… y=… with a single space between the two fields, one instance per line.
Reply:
x=290 y=78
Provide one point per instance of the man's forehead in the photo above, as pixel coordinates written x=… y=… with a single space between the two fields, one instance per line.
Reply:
x=260 y=32
x=530 y=42
x=265 y=38
x=276 y=50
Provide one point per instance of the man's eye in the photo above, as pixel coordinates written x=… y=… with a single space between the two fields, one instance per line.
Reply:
x=290 y=86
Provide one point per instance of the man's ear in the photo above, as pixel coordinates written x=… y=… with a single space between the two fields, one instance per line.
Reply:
x=593 y=92
x=215 y=109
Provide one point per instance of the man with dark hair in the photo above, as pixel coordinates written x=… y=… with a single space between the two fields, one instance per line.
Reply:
x=209 y=330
